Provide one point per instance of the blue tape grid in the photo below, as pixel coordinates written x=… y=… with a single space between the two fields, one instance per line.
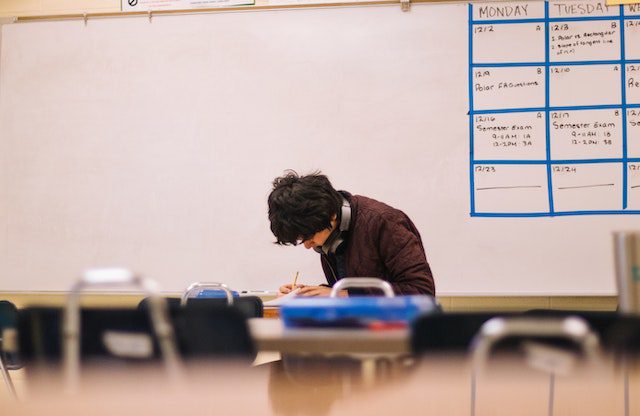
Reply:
x=554 y=161
x=546 y=106
x=623 y=82
x=552 y=109
x=471 y=109
x=623 y=106
x=556 y=63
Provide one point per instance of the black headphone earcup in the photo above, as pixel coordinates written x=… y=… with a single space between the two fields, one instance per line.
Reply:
x=339 y=234
x=334 y=240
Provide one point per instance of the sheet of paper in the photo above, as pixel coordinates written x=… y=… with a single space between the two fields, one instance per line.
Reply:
x=146 y=5
x=282 y=299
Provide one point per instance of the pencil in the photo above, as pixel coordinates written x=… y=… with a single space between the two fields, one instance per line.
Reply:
x=295 y=279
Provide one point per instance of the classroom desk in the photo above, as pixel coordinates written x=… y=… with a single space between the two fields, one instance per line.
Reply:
x=271 y=335
x=438 y=387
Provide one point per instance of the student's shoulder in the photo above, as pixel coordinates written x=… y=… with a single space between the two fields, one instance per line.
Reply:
x=374 y=216
x=369 y=207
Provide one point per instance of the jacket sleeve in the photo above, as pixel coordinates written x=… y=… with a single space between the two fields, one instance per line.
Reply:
x=403 y=255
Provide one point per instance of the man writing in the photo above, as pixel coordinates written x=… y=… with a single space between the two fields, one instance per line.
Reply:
x=356 y=236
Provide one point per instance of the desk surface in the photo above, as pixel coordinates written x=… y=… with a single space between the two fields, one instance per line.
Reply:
x=271 y=335
x=439 y=386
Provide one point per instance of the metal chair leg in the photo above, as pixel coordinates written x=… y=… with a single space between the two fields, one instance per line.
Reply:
x=626 y=390
x=7 y=378
x=552 y=384
x=473 y=392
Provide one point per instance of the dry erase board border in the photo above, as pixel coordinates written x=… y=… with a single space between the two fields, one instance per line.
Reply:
x=99 y=15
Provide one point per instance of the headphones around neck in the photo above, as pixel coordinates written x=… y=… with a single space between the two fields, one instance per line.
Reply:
x=339 y=234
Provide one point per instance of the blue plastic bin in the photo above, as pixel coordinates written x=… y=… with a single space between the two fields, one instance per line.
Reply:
x=358 y=312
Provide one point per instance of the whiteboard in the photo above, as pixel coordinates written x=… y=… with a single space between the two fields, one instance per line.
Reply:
x=152 y=145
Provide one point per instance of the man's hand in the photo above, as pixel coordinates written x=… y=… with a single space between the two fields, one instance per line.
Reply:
x=286 y=289
x=319 y=291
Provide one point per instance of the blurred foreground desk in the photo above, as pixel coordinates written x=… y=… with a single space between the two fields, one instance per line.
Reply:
x=270 y=335
x=437 y=387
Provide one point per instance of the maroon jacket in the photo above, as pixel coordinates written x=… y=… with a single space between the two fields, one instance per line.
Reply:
x=383 y=242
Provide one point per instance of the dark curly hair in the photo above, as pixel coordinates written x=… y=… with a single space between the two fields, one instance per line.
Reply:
x=300 y=206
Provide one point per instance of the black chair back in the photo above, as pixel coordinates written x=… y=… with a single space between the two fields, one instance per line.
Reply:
x=126 y=335
x=619 y=333
x=248 y=306
x=211 y=330
x=8 y=321
x=453 y=332
x=599 y=321
x=105 y=336
x=447 y=332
